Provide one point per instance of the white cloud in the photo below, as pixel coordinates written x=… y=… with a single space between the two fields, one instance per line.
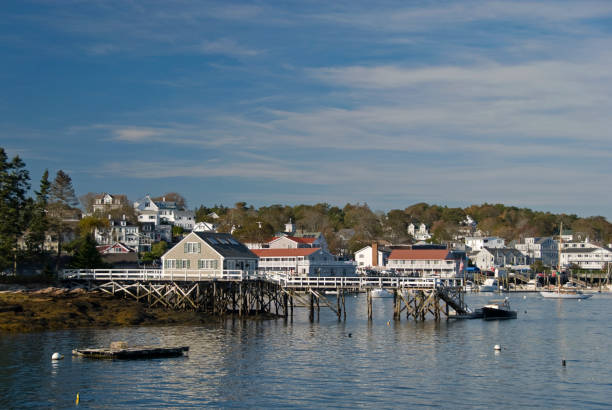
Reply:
x=226 y=46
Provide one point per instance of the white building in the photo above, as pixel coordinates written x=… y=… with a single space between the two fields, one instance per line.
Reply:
x=121 y=230
x=106 y=202
x=205 y=227
x=302 y=261
x=424 y=262
x=476 y=243
x=422 y=234
x=586 y=255
x=164 y=212
x=544 y=249
x=491 y=258
x=371 y=257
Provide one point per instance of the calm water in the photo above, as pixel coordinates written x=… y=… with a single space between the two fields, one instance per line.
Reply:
x=298 y=364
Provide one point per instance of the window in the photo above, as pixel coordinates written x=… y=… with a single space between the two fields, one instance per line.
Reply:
x=193 y=247
x=213 y=241
x=233 y=241
x=208 y=264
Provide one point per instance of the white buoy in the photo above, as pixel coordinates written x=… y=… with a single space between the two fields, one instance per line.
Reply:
x=57 y=356
x=497 y=347
x=524 y=296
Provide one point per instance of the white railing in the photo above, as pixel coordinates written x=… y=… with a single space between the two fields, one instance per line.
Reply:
x=282 y=278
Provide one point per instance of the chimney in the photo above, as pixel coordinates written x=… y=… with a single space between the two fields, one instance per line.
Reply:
x=374 y=254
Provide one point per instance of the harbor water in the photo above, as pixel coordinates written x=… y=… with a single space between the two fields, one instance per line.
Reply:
x=358 y=363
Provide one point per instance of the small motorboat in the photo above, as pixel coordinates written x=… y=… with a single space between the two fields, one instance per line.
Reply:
x=497 y=310
x=489 y=285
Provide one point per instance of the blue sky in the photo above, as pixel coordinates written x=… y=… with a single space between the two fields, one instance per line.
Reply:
x=454 y=103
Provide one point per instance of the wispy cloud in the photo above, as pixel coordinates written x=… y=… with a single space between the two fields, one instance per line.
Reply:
x=226 y=46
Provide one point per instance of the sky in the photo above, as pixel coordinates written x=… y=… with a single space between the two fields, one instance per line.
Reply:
x=388 y=103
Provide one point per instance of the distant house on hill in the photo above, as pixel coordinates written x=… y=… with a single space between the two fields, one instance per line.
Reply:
x=103 y=203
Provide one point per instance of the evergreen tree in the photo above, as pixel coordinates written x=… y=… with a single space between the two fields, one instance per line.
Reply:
x=38 y=223
x=14 y=183
x=86 y=255
x=62 y=201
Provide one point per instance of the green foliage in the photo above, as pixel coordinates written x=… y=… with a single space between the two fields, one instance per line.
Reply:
x=39 y=223
x=177 y=230
x=157 y=250
x=62 y=201
x=88 y=224
x=14 y=183
x=86 y=256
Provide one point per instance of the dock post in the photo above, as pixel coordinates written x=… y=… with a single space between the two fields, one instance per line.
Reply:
x=291 y=301
x=318 y=308
x=343 y=305
x=369 y=300
x=285 y=305
x=311 y=316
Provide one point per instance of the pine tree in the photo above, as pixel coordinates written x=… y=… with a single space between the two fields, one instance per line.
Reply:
x=86 y=255
x=62 y=201
x=38 y=223
x=14 y=183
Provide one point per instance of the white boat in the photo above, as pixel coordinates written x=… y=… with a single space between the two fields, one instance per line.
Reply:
x=489 y=285
x=381 y=293
x=569 y=291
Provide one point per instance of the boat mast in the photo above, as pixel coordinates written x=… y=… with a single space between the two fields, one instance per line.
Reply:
x=560 y=247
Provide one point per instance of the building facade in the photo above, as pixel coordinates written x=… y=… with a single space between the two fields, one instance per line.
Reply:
x=545 y=250
x=303 y=262
x=424 y=262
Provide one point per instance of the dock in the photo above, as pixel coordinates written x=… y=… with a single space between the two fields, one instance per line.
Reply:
x=136 y=352
x=246 y=293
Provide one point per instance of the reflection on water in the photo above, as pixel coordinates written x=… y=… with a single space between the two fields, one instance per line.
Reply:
x=295 y=363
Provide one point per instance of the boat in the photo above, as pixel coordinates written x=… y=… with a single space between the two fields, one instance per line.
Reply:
x=568 y=291
x=489 y=285
x=381 y=293
x=498 y=310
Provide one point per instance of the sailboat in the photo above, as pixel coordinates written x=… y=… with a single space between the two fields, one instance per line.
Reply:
x=563 y=292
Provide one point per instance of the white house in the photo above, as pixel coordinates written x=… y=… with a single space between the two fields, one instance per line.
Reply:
x=422 y=234
x=121 y=230
x=372 y=256
x=164 y=212
x=302 y=261
x=544 y=249
x=491 y=258
x=424 y=262
x=205 y=227
x=476 y=243
x=585 y=255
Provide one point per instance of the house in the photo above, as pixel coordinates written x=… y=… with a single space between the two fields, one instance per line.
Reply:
x=585 y=255
x=424 y=262
x=314 y=241
x=164 y=212
x=103 y=203
x=119 y=256
x=208 y=252
x=372 y=257
x=122 y=230
x=116 y=247
x=302 y=261
x=205 y=227
x=476 y=243
x=543 y=249
x=490 y=258
x=422 y=234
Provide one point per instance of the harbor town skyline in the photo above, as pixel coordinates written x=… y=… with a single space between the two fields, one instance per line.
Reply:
x=450 y=103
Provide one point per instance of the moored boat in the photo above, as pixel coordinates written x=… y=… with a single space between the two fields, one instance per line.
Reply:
x=489 y=285
x=381 y=293
x=498 y=310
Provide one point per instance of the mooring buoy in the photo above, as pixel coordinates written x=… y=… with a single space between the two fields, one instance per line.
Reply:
x=497 y=347
x=57 y=356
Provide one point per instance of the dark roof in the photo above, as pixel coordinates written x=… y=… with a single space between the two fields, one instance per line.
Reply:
x=578 y=250
x=226 y=245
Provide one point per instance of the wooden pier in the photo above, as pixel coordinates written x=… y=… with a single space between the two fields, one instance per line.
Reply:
x=276 y=294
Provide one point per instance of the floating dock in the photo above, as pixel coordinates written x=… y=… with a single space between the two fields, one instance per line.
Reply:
x=137 y=352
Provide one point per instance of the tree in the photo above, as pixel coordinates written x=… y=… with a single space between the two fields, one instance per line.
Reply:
x=86 y=255
x=39 y=223
x=62 y=201
x=157 y=250
x=14 y=183
x=87 y=201
x=88 y=225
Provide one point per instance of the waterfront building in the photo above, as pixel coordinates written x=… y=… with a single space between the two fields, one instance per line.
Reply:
x=372 y=257
x=585 y=255
x=208 y=252
x=302 y=261
x=424 y=262
x=490 y=258
x=543 y=249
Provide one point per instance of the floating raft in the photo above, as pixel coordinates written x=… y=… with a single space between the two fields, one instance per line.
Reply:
x=137 y=352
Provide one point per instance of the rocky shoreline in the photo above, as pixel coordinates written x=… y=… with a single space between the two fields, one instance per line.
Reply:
x=33 y=309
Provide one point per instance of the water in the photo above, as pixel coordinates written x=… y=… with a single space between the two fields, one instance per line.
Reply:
x=298 y=364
